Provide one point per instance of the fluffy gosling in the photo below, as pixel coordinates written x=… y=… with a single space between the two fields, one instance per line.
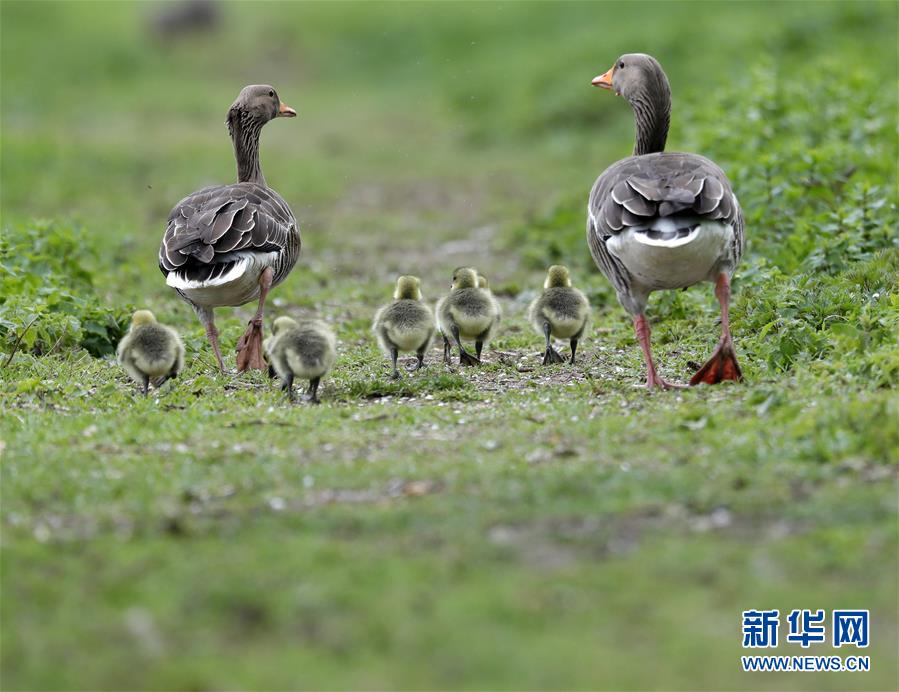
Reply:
x=304 y=349
x=560 y=311
x=150 y=350
x=484 y=284
x=467 y=312
x=406 y=324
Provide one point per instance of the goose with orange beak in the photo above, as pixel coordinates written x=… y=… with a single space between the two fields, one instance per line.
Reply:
x=663 y=220
x=229 y=245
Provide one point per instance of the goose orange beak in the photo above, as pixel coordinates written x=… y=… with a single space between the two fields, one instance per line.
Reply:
x=286 y=111
x=604 y=80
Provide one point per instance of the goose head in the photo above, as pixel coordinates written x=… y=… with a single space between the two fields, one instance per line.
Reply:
x=483 y=282
x=142 y=317
x=407 y=287
x=259 y=103
x=465 y=277
x=639 y=79
x=633 y=75
x=557 y=276
x=256 y=105
x=283 y=323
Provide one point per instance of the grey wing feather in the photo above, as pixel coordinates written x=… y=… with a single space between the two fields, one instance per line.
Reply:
x=638 y=189
x=219 y=220
x=633 y=191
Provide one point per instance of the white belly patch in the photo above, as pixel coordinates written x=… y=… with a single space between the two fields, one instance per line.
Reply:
x=237 y=287
x=673 y=253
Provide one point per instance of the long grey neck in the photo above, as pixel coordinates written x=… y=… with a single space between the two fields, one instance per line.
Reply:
x=652 y=115
x=245 y=131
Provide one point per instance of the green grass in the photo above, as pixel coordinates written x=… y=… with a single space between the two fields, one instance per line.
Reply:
x=511 y=527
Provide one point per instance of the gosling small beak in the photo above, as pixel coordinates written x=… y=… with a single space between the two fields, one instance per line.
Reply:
x=604 y=80
x=286 y=111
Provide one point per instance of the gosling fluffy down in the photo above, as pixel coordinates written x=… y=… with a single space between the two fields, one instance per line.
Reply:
x=150 y=350
x=560 y=311
x=484 y=284
x=468 y=312
x=406 y=324
x=305 y=349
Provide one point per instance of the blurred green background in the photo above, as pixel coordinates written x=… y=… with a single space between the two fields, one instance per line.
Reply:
x=500 y=529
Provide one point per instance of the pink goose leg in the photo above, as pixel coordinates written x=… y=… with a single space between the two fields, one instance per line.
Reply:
x=723 y=363
x=249 y=348
x=641 y=326
x=212 y=334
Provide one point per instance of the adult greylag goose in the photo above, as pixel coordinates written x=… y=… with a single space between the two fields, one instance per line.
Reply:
x=658 y=220
x=229 y=244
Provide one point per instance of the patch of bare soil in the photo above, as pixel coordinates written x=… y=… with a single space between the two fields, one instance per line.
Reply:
x=199 y=510
x=557 y=542
x=523 y=369
x=376 y=230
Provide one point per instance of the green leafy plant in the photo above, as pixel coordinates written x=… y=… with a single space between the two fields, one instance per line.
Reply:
x=47 y=298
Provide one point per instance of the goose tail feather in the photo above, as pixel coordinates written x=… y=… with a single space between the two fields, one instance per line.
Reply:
x=207 y=276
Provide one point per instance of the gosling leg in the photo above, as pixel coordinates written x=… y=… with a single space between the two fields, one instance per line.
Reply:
x=465 y=358
x=287 y=386
x=165 y=378
x=393 y=356
x=420 y=354
x=551 y=355
x=312 y=392
x=447 y=351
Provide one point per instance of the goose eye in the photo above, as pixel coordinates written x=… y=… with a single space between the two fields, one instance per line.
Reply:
x=271 y=93
x=620 y=64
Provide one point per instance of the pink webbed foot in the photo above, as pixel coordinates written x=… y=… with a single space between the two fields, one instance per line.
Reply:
x=249 y=348
x=653 y=381
x=721 y=366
